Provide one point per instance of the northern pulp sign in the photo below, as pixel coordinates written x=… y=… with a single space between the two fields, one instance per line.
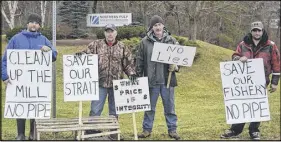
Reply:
x=102 y=19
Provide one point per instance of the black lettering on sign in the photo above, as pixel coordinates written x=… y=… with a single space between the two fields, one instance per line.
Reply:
x=180 y=50
x=248 y=68
x=230 y=110
x=14 y=109
x=185 y=61
x=80 y=88
x=262 y=108
x=10 y=58
x=159 y=56
x=116 y=87
x=80 y=73
x=16 y=75
x=246 y=108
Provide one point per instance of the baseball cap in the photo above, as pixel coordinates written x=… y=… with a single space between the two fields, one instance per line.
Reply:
x=110 y=26
x=257 y=25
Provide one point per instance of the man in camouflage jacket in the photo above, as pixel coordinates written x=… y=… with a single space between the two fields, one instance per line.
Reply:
x=113 y=58
x=257 y=45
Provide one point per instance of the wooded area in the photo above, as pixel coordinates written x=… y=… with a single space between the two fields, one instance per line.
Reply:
x=223 y=23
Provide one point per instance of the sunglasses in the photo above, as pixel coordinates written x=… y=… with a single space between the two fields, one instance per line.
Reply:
x=256 y=30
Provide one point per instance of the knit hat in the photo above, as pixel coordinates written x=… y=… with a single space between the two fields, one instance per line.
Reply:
x=257 y=25
x=33 y=17
x=155 y=19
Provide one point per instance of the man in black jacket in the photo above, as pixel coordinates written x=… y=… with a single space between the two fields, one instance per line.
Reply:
x=157 y=74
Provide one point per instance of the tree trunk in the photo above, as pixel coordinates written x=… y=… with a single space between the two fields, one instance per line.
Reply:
x=12 y=5
x=194 y=29
x=43 y=12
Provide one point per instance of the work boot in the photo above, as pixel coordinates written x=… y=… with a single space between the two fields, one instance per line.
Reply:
x=255 y=136
x=229 y=134
x=174 y=135
x=21 y=129
x=144 y=134
x=20 y=137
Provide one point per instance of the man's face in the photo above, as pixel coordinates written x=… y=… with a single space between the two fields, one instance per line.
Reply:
x=110 y=35
x=158 y=28
x=256 y=34
x=33 y=26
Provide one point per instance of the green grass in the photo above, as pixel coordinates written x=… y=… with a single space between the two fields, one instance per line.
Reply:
x=198 y=101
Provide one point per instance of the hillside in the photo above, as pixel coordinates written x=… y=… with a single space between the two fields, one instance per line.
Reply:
x=199 y=103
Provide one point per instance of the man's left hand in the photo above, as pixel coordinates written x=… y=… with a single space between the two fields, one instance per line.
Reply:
x=45 y=48
x=273 y=88
x=133 y=78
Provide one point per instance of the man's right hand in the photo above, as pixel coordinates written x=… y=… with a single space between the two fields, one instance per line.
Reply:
x=7 y=81
x=79 y=53
x=243 y=59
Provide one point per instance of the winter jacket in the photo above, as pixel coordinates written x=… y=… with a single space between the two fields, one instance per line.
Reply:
x=112 y=61
x=29 y=41
x=156 y=72
x=265 y=49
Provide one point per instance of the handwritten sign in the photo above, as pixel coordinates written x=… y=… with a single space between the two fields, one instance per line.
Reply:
x=29 y=94
x=80 y=76
x=244 y=89
x=173 y=54
x=131 y=97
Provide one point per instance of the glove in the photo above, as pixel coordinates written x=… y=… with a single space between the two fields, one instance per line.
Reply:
x=243 y=59
x=79 y=53
x=7 y=81
x=273 y=88
x=45 y=48
x=133 y=78
x=173 y=68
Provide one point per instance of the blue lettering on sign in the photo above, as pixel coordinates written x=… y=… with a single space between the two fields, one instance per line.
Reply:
x=94 y=19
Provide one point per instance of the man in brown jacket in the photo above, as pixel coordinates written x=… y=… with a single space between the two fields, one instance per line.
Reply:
x=113 y=58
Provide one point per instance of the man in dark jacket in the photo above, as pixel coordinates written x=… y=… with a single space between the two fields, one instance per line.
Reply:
x=29 y=39
x=257 y=45
x=157 y=74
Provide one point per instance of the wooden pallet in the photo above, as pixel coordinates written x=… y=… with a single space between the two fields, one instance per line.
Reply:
x=108 y=125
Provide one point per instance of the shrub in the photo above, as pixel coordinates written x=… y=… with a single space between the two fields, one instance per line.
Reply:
x=10 y=33
x=125 y=32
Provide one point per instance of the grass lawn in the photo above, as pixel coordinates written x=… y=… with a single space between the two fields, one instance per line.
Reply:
x=198 y=101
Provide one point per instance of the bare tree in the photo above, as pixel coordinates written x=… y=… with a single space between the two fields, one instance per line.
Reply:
x=43 y=11
x=12 y=5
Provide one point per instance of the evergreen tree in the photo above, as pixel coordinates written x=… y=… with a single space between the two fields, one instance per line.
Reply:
x=73 y=13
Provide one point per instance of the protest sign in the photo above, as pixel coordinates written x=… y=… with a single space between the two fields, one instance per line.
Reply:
x=244 y=89
x=29 y=94
x=173 y=54
x=131 y=97
x=80 y=75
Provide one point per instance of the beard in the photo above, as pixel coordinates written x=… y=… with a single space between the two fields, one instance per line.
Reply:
x=257 y=38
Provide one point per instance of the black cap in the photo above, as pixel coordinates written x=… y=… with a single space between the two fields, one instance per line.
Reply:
x=33 y=17
x=110 y=26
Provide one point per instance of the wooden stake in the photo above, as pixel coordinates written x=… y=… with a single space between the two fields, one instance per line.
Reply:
x=135 y=126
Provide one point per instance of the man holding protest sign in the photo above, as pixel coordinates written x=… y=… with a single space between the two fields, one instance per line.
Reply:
x=29 y=39
x=114 y=58
x=157 y=74
x=257 y=45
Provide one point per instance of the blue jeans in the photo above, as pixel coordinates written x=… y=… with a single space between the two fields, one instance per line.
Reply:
x=97 y=105
x=167 y=95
